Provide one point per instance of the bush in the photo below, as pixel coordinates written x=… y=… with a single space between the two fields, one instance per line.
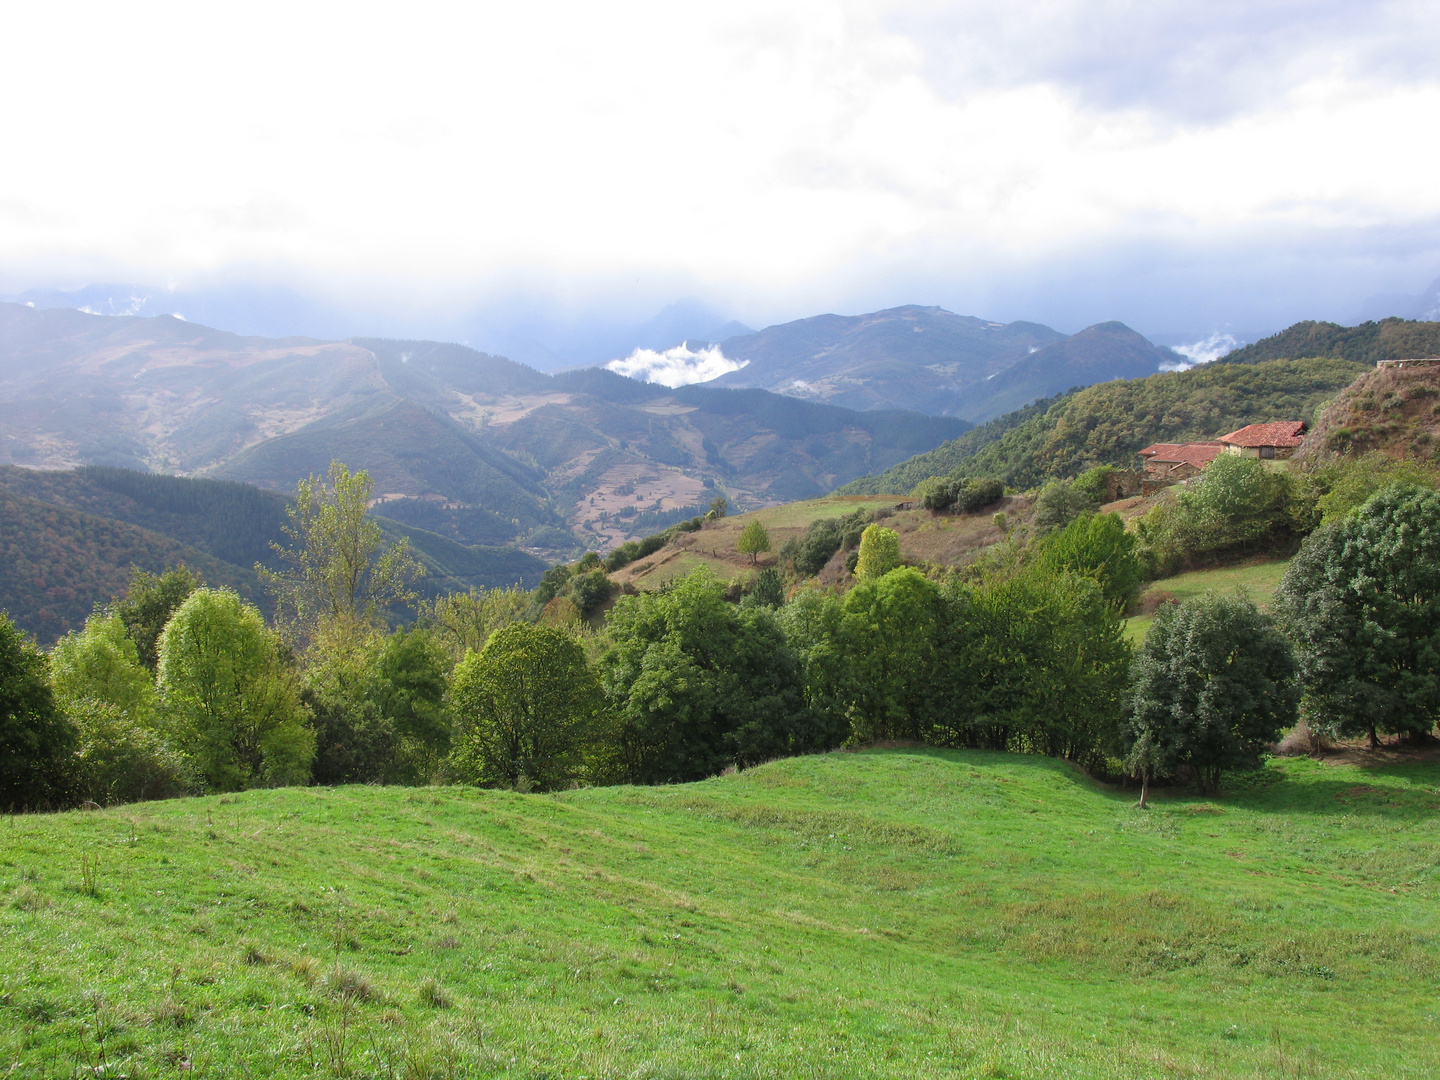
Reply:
x=36 y=740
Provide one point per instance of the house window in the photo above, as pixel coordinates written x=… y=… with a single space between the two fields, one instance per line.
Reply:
x=1267 y=451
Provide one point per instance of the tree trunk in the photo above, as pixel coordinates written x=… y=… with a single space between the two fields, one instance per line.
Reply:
x=1374 y=739
x=1144 y=786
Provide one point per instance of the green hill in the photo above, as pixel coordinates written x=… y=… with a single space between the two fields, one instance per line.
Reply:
x=1110 y=423
x=902 y=913
x=1388 y=339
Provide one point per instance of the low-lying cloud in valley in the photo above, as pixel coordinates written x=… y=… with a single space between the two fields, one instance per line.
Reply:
x=1205 y=351
x=678 y=365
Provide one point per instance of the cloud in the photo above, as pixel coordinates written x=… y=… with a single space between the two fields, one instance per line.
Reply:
x=1205 y=351
x=677 y=366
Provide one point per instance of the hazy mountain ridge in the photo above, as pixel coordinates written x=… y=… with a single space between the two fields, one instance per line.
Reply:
x=498 y=452
x=934 y=361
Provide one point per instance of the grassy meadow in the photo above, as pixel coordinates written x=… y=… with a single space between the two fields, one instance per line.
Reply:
x=1259 y=578
x=892 y=913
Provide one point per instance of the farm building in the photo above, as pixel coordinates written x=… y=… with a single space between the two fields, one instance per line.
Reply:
x=1173 y=462
x=1275 y=440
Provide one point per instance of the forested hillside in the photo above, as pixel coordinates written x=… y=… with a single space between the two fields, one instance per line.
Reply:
x=68 y=540
x=1388 y=339
x=59 y=563
x=1110 y=423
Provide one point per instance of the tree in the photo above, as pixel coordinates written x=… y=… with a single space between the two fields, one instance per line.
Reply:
x=754 y=540
x=150 y=600
x=767 y=590
x=109 y=696
x=1362 y=602
x=465 y=621
x=889 y=633
x=696 y=684
x=1211 y=688
x=36 y=740
x=1096 y=545
x=378 y=708
x=340 y=567
x=1060 y=503
x=233 y=707
x=879 y=552
x=523 y=705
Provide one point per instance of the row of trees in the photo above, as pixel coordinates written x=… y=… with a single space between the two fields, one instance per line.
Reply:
x=179 y=687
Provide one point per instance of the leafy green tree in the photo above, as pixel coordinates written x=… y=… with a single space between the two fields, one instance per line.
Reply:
x=150 y=600
x=109 y=697
x=767 y=590
x=102 y=663
x=1060 y=503
x=524 y=705
x=879 y=552
x=590 y=591
x=1212 y=687
x=890 y=630
x=233 y=706
x=719 y=507
x=814 y=627
x=1345 y=485
x=378 y=708
x=754 y=540
x=465 y=621
x=1096 y=545
x=36 y=740
x=696 y=684
x=340 y=567
x=1362 y=602
x=1035 y=662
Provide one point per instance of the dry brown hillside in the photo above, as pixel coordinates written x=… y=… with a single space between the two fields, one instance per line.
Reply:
x=1395 y=410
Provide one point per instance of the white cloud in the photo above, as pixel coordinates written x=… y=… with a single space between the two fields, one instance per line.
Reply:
x=677 y=366
x=1205 y=351
x=757 y=149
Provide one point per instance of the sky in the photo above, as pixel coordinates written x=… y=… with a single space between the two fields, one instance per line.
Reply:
x=547 y=174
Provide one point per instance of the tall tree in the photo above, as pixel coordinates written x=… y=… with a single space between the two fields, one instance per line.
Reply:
x=754 y=540
x=233 y=707
x=465 y=621
x=890 y=631
x=879 y=552
x=524 y=705
x=36 y=740
x=1362 y=602
x=696 y=683
x=109 y=696
x=340 y=569
x=1212 y=686
x=150 y=600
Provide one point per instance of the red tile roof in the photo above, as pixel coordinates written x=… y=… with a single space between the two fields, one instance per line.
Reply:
x=1198 y=454
x=1280 y=433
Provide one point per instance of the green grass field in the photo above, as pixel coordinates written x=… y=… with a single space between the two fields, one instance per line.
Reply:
x=1259 y=578
x=901 y=913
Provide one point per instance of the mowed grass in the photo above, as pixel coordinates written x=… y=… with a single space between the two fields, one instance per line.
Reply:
x=900 y=913
x=1259 y=578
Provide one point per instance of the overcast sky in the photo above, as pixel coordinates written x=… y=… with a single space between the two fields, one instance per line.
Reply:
x=1180 y=166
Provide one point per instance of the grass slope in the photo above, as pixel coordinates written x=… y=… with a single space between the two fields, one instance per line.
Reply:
x=1260 y=579
x=901 y=913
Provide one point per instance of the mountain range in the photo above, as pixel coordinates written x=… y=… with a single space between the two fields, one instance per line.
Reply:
x=932 y=360
x=469 y=446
